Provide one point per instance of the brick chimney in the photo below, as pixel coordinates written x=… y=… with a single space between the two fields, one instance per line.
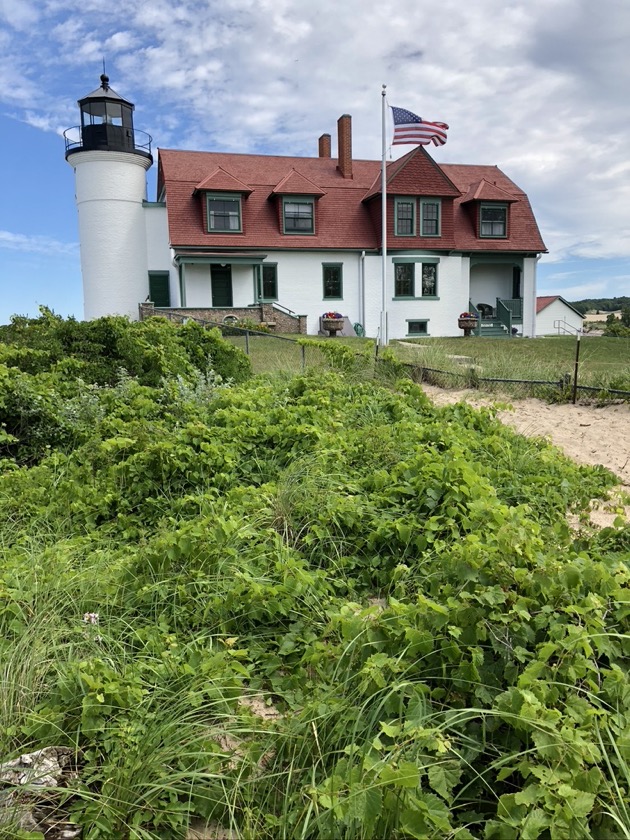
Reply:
x=344 y=140
x=324 y=146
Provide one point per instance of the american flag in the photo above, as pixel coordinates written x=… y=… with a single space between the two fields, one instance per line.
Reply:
x=410 y=128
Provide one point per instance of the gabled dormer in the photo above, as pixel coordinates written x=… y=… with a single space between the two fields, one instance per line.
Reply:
x=222 y=198
x=488 y=206
x=419 y=202
x=296 y=198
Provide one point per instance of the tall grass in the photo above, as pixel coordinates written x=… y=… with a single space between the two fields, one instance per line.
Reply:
x=603 y=362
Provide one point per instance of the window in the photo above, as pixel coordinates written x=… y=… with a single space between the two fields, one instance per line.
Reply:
x=405 y=217
x=405 y=278
x=159 y=291
x=492 y=220
x=333 y=281
x=224 y=214
x=417 y=327
x=268 y=282
x=429 y=280
x=298 y=215
x=429 y=218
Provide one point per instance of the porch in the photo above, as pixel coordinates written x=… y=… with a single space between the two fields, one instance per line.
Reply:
x=496 y=294
x=271 y=316
x=222 y=287
x=501 y=320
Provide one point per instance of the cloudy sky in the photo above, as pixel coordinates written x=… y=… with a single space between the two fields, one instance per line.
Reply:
x=537 y=87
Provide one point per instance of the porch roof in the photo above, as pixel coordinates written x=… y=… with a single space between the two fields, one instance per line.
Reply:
x=214 y=258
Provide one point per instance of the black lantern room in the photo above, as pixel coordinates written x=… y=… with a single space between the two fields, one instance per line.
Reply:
x=107 y=124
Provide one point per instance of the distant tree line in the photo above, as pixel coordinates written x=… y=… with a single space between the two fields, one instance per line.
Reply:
x=601 y=304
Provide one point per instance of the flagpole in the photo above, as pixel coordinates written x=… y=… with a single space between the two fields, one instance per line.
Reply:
x=383 y=329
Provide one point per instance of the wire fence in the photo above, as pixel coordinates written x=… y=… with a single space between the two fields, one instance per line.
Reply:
x=275 y=353
x=470 y=378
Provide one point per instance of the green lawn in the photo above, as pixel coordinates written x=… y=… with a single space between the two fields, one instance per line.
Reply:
x=603 y=361
x=272 y=353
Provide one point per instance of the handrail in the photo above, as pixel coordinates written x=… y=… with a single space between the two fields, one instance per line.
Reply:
x=515 y=305
x=73 y=138
x=562 y=324
x=284 y=309
x=504 y=315
x=472 y=308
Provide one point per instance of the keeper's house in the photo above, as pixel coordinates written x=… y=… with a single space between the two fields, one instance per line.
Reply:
x=282 y=240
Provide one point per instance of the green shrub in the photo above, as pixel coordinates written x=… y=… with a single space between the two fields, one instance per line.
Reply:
x=315 y=607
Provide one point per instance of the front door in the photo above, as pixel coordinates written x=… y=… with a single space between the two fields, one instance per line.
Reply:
x=516 y=282
x=221 y=279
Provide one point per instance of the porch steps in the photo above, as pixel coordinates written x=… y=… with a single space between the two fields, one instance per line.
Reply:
x=493 y=329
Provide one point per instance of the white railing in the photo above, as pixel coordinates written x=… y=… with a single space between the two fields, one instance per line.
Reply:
x=563 y=326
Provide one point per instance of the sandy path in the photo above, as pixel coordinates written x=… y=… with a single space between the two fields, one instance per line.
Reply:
x=586 y=433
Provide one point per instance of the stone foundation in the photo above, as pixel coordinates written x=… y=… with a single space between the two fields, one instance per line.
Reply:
x=264 y=314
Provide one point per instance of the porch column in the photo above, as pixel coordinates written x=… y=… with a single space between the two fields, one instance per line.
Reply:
x=528 y=292
x=182 y=284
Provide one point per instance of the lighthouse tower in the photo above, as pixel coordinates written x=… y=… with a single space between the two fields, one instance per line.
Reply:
x=110 y=160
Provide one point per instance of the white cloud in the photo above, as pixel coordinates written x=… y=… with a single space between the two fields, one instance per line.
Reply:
x=121 y=41
x=36 y=244
x=581 y=291
x=19 y=15
x=538 y=87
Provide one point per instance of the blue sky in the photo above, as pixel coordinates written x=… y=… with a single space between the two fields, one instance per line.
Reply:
x=537 y=87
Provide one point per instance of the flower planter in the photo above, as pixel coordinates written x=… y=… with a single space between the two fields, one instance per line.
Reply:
x=467 y=324
x=333 y=325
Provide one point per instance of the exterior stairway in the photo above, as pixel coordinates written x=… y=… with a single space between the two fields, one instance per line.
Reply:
x=492 y=328
x=500 y=321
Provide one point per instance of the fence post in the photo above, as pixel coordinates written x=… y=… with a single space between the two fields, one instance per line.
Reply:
x=577 y=362
x=303 y=358
x=247 y=342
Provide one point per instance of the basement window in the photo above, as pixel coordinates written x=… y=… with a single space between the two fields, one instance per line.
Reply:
x=418 y=327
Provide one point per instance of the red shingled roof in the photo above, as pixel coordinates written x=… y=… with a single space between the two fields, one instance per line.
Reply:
x=296 y=184
x=543 y=302
x=222 y=181
x=523 y=230
x=486 y=191
x=343 y=216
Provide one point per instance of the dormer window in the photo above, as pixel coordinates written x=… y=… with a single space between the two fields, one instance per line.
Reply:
x=429 y=217
x=298 y=215
x=405 y=216
x=224 y=214
x=493 y=220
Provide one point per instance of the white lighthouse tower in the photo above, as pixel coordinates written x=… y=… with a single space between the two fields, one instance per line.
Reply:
x=110 y=160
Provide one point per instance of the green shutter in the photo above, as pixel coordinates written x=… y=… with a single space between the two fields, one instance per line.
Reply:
x=159 y=291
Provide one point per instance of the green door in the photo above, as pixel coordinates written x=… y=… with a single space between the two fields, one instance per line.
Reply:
x=221 y=277
x=159 y=288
